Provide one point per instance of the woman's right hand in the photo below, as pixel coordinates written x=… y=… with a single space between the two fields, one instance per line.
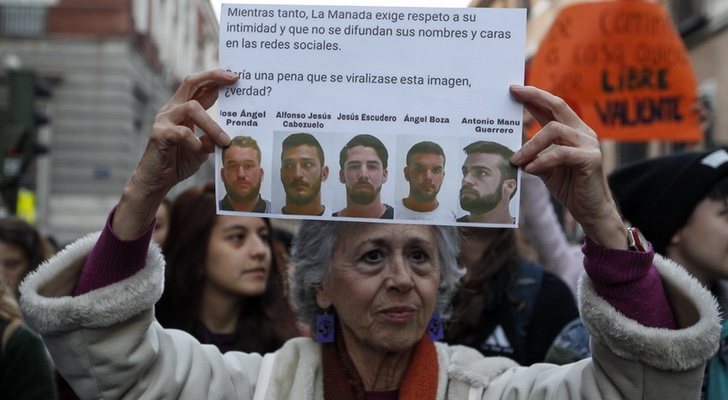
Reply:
x=173 y=152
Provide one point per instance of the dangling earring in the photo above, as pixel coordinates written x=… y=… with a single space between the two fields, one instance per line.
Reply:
x=434 y=328
x=325 y=325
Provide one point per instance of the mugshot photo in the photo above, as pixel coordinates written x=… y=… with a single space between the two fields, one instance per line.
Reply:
x=489 y=183
x=243 y=167
x=301 y=176
x=363 y=173
x=427 y=179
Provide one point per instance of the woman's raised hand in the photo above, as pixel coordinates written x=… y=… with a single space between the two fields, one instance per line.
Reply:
x=565 y=154
x=173 y=152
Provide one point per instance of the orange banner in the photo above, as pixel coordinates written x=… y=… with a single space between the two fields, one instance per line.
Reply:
x=622 y=66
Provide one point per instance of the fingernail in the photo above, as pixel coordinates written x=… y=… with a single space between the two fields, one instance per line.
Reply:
x=516 y=158
x=231 y=74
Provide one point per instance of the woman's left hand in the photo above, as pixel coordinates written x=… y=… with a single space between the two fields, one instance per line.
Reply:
x=565 y=154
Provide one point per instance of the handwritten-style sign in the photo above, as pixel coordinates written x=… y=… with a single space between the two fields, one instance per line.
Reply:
x=331 y=100
x=624 y=68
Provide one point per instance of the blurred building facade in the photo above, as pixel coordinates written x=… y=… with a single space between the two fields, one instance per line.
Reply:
x=702 y=25
x=112 y=64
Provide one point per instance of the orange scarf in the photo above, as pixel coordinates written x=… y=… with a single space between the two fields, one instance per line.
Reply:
x=342 y=382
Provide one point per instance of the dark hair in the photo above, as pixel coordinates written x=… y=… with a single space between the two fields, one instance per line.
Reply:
x=265 y=321
x=17 y=232
x=507 y=170
x=719 y=191
x=425 y=147
x=365 y=140
x=482 y=292
x=481 y=146
x=300 y=139
x=242 y=142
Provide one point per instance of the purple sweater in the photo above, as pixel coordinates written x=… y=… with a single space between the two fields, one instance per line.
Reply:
x=113 y=260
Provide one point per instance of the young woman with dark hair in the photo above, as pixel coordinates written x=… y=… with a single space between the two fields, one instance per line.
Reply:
x=506 y=306
x=225 y=277
x=22 y=249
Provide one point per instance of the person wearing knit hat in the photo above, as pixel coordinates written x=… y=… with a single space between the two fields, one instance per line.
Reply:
x=658 y=195
x=680 y=203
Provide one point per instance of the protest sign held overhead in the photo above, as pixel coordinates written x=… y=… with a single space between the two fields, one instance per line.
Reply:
x=371 y=113
x=622 y=66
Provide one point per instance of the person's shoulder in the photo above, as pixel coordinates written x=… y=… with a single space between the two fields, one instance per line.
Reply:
x=262 y=206
x=296 y=353
x=23 y=331
x=445 y=213
x=556 y=297
x=469 y=365
x=24 y=340
x=552 y=282
x=388 y=212
x=403 y=212
x=224 y=204
x=301 y=342
x=549 y=284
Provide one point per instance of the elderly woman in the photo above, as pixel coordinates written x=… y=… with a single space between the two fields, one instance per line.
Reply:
x=371 y=293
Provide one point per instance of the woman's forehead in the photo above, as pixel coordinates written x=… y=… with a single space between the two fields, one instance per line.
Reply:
x=356 y=234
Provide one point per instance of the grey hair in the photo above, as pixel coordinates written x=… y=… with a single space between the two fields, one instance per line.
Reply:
x=311 y=256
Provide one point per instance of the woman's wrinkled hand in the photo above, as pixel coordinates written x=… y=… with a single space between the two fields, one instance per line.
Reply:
x=566 y=155
x=173 y=152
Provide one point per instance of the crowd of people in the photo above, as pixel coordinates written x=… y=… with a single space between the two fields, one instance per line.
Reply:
x=171 y=300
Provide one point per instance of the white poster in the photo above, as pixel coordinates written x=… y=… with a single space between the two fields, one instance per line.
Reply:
x=371 y=113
